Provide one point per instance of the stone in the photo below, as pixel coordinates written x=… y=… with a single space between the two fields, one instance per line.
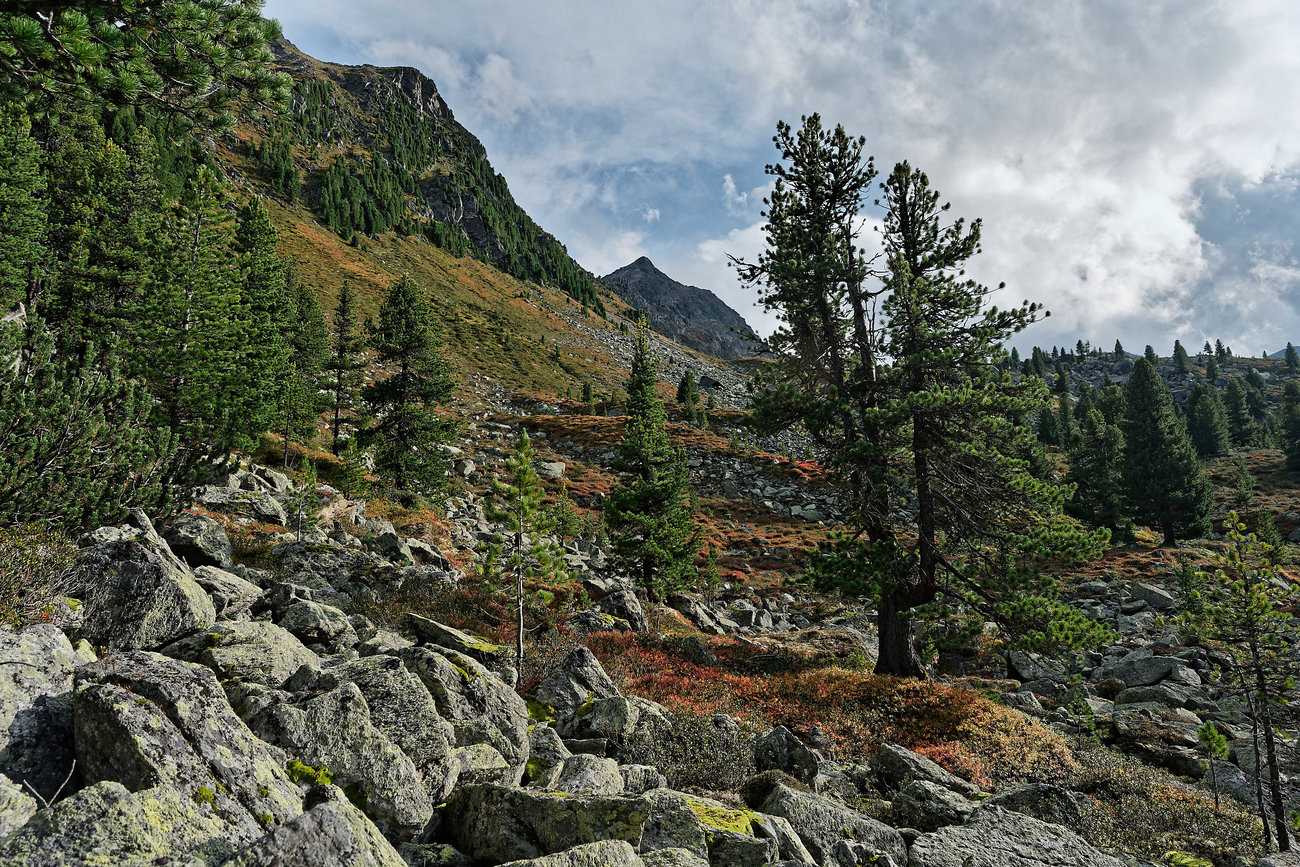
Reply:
x=734 y=849
x=332 y=831
x=550 y=470
x=199 y=541
x=138 y=716
x=821 y=823
x=1024 y=666
x=231 y=595
x=1157 y=597
x=432 y=855
x=630 y=725
x=1142 y=670
x=250 y=650
x=673 y=858
x=401 y=707
x=673 y=823
x=605 y=853
x=137 y=596
x=1166 y=693
x=16 y=806
x=324 y=564
x=495 y=824
x=317 y=623
x=578 y=678
x=897 y=766
x=36 y=669
x=449 y=637
x=480 y=763
x=258 y=505
x=624 y=605
x=999 y=838
x=779 y=750
x=427 y=555
x=589 y=775
x=266 y=479
x=928 y=806
x=480 y=707
x=333 y=730
x=391 y=547
x=788 y=845
x=546 y=755
x=641 y=778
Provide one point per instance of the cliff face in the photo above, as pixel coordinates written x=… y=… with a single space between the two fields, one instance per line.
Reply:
x=690 y=315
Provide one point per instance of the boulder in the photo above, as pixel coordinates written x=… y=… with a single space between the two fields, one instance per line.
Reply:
x=928 y=806
x=673 y=824
x=16 y=806
x=546 y=755
x=1157 y=597
x=780 y=750
x=327 y=564
x=821 y=823
x=999 y=838
x=673 y=858
x=579 y=678
x=1144 y=670
x=480 y=707
x=199 y=541
x=106 y=824
x=250 y=650
x=137 y=595
x=624 y=605
x=142 y=719
x=261 y=478
x=897 y=766
x=317 y=623
x=734 y=849
x=332 y=831
x=606 y=853
x=450 y=638
x=333 y=730
x=231 y=595
x=1042 y=801
x=36 y=667
x=1024 y=666
x=258 y=505
x=392 y=548
x=788 y=845
x=641 y=778
x=631 y=726
x=589 y=775
x=552 y=470
x=494 y=824
x=401 y=707
x=480 y=763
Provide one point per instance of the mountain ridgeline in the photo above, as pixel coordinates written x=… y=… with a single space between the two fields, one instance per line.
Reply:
x=373 y=150
x=690 y=315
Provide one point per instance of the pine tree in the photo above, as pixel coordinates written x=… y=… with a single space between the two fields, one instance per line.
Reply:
x=1097 y=472
x=1150 y=355
x=77 y=447
x=346 y=364
x=1211 y=369
x=1207 y=421
x=1243 y=484
x=1290 y=423
x=1221 y=353
x=530 y=554
x=24 y=243
x=1119 y=351
x=1181 y=361
x=351 y=476
x=1241 y=426
x=688 y=397
x=278 y=338
x=1015 y=358
x=1292 y=358
x=1207 y=350
x=656 y=538
x=1216 y=748
x=1061 y=383
x=303 y=506
x=1167 y=487
x=409 y=429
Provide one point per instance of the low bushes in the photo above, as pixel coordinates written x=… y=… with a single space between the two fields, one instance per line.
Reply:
x=33 y=563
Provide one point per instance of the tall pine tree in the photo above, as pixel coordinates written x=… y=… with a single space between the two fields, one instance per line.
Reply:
x=1207 y=421
x=346 y=363
x=24 y=241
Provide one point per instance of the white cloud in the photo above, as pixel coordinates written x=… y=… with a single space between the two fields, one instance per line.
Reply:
x=649 y=214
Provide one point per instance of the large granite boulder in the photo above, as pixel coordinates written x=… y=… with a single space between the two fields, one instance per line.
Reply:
x=332 y=831
x=231 y=595
x=897 y=766
x=36 y=667
x=258 y=505
x=495 y=824
x=578 y=678
x=928 y=806
x=999 y=838
x=199 y=541
x=605 y=853
x=821 y=823
x=779 y=750
x=16 y=806
x=250 y=650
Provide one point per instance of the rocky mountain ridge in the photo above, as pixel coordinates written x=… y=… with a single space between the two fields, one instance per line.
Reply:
x=690 y=315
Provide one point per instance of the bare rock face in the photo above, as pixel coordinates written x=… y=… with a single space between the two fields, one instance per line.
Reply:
x=332 y=831
x=999 y=838
x=36 y=667
x=690 y=315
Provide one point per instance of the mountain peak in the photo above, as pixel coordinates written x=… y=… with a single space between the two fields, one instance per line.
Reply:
x=690 y=315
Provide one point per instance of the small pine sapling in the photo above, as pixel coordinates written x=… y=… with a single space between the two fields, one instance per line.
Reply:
x=1216 y=748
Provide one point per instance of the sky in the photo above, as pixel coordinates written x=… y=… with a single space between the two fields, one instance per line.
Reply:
x=1136 y=165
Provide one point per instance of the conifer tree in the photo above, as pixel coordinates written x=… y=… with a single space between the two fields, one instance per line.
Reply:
x=1216 y=748
x=1066 y=430
x=1292 y=358
x=408 y=428
x=281 y=342
x=530 y=554
x=1207 y=350
x=688 y=396
x=1243 y=484
x=656 y=538
x=1167 y=487
x=1241 y=426
x=1015 y=358
x=24 y=241
x=1150 y=355
x=346 y=364
x=1119 y=350
x=1061 y=383
x=1181 y=361
x=1290 y=424
x=351 y=477
x=1207 y=421
x=1211 y=369
x=303 y=506
x=1221 y=353
x=1097 y=472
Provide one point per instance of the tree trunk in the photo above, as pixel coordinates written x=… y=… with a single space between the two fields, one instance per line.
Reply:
x=519 y=600
x=1270 y=754
x=897 y=654
x=1259 y=764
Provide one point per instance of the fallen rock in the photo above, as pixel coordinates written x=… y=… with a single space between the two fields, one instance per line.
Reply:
x=624 y=605
x=258 y=505
x=16 y=806
x=251 y=650
x=332 y=831
x=36 y=667
x=999 y=838
x=579 y=678
x=231 y=595
x=821 y=823
x=897 y=766
x=316 y=623
x=496 y=824
x=589 y=775
x=450 y=638
x=199 y=541
x=928 y=806
x=779 y=750
x=606 y=853
x=1042 y=801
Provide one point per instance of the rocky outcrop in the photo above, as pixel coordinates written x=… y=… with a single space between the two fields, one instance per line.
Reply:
x=692 y=316
x=331 y=831
x=998 y=838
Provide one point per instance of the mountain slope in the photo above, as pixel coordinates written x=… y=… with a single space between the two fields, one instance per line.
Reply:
x=690 y=315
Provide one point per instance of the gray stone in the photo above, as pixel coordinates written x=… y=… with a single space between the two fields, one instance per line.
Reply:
x=821 y=823
x=258 y=505
x=480 y=763
x=332 y=832
x=496 y=824
x=16 y=806
x=577 y=679
x=779 y=750
x=673 y=858
x=261 y=478
x=632 y=726
x=789 y=846
x=251 y=650
x=36 y=666
x=1031 y=666
x=641 y=778
x=316 y=623
x=589 y=775
x=1042 y=801
x=999 y=838
x=672 y=824
x=1157 y=597
x=391 y=547
x=231 y=595
x=334 y=730
x=897 y=766
x=928 y=806
x=199 y=541
x=137 y=595
x=552 y=470
x=624 y=605
x=546 y=755
x=1143 y=670
x=605 y=853
x=432 y=855
x=450 y=638
x=734 y=849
